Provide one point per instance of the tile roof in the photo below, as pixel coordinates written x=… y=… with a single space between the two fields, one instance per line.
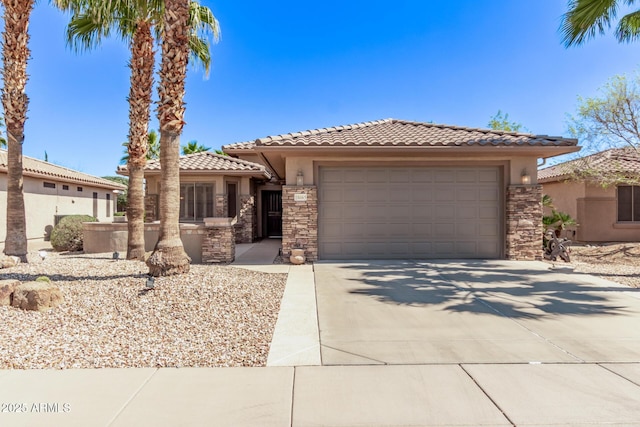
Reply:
x=249 y=145
x=616 y=161
x=207 y=161
x=401 y=133
x=40 y=168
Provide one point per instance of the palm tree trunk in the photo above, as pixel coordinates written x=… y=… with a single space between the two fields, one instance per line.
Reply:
x=142 y=63
x=15 y=53
x=169 y=256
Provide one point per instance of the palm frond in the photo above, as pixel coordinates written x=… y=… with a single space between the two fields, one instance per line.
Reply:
x=628 y=29
x=585 y=19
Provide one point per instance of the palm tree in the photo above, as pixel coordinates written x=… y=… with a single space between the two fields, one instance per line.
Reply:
x=135 y=23
x=153 y=148
x=15 y=53
x=586 y=18
x=193 y=147
x=169 y=257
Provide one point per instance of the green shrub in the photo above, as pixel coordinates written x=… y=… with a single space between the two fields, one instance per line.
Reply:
x=119 y=214
x=67 y=235
x=43 y=279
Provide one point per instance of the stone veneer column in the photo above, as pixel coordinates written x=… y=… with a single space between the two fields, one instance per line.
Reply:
x=219 y=244
x=246 y=214
x=221 y=206
x=300 y=221
x=524 y=222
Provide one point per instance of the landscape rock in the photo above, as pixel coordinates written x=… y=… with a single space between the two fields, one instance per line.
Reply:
x=6 y=290
x=9 y=261
x=37 y=296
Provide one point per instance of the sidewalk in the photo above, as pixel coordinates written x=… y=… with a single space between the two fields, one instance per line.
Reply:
x=416 y=395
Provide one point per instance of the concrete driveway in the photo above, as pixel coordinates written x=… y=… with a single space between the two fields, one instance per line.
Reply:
x=388 y=312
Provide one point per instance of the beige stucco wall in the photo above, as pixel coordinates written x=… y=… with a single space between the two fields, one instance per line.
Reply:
x=595 y=210
x=513 y=173
x=41 y=204
x=564 y=196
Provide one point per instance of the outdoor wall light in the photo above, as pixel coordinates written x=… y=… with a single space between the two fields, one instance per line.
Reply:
x=116 y=255
x=526 y=178
x=300 y=178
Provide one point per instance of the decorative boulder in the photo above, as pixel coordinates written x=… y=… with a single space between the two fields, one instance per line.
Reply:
x=9 y=261
x=7 y=287
x=37 y=296
x=297 y=256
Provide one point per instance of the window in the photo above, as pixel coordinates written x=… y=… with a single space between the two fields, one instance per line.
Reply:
x=108 y=205
x=95 y=205
x=49 y=185
x=65 y=187
x=79 y=189
x=628 y=203
x=196 y=201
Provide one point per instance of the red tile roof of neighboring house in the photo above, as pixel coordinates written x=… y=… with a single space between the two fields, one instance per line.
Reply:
x=40 y=168
x=207 y=161
x=616 y=161
x=401 y=133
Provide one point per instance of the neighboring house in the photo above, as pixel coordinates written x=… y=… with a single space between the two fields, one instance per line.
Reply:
x=52 y=191
x=381 y=189
x=601 y=192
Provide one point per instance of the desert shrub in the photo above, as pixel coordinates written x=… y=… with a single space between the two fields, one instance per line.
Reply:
x=43 y=279
x=67 y=235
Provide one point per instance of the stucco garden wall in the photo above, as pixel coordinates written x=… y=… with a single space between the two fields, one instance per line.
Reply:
x=42 y=204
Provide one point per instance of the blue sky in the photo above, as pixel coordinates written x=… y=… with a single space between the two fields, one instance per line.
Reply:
x=287 y=66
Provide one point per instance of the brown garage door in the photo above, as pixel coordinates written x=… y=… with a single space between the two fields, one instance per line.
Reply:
x=409 y=212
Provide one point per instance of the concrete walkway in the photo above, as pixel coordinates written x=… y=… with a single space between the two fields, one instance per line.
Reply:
x=425 y=380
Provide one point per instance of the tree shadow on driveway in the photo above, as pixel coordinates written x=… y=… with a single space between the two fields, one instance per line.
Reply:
x=500 y=288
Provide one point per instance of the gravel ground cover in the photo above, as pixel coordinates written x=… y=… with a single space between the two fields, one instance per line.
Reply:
x=213 y=316
x=618 y=262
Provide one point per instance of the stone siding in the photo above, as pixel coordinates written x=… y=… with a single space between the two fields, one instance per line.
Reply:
x=524 y=222
x=300 y=221
x=221 y=210
x=151 y=203
x=246 y=215
x=219 y=244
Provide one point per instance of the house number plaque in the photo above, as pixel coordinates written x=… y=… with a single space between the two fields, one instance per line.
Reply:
x=300 y=197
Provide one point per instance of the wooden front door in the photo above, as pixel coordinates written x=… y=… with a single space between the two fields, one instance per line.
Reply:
x=272 y=213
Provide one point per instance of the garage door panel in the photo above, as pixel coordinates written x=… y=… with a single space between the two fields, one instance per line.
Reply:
x=468 y=230
x=444 y=230
x=421 y=194
x=421 y=230
x=443 y=212
x=466 y=195
x=488 y=230
x=488 y=195
x=354 y=176
x=399 y=176
x=444 y=176
x=488 y=175
x=421 y=175
x=399 y=194
x=412 y=212
x=488 y=212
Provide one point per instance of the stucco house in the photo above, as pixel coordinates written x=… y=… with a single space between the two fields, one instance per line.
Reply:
x=51 y=191
x=601 y=192
x=381 y=189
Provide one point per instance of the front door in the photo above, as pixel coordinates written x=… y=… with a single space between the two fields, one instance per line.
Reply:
x=272 y=213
